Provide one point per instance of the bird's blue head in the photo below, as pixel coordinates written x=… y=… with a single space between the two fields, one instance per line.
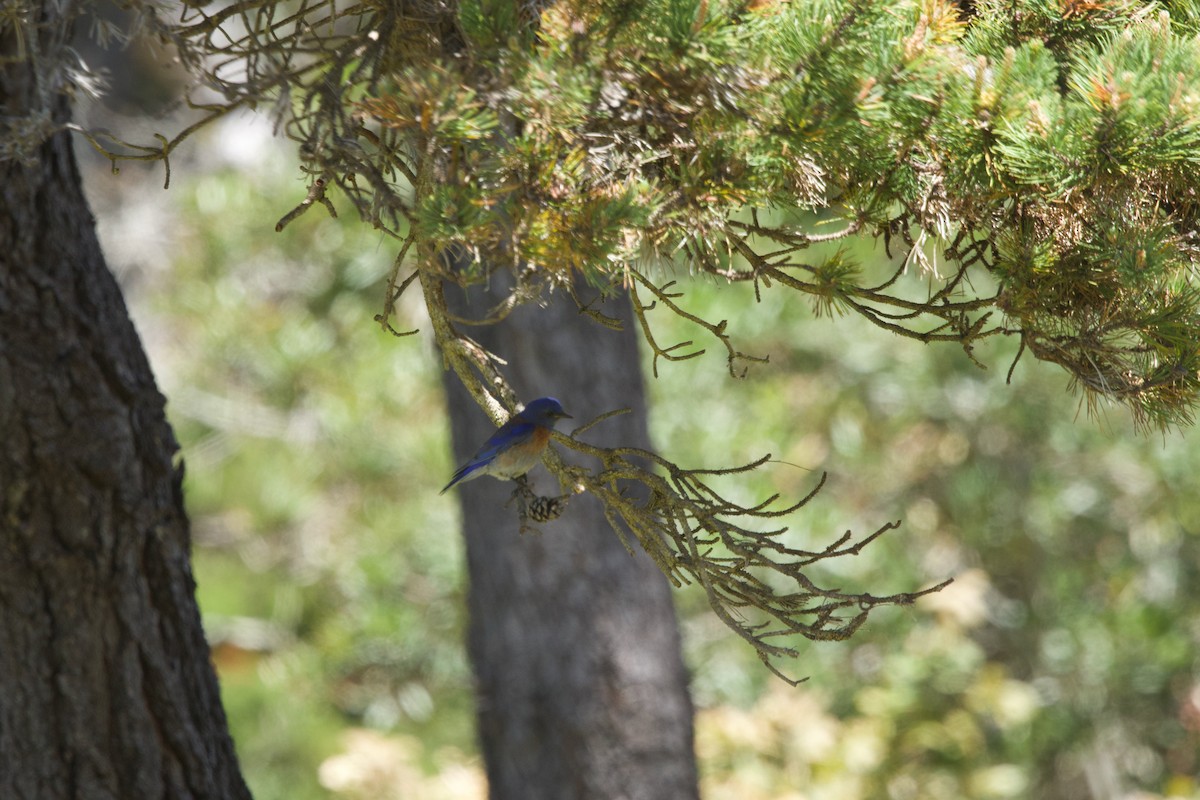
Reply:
x=544 y=411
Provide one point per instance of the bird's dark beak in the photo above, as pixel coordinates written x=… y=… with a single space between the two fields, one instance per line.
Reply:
x=565 y=415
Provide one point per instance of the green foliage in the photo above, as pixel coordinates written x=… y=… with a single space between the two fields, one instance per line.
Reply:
x=492 y=26
x=1131 y=112
x=835 y=277
x=1066 y=27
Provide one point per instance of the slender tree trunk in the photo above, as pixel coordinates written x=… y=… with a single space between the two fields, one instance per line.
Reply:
x=106 y=687
x=582 y=691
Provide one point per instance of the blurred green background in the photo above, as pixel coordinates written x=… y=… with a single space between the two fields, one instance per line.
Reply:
x=1062 y=663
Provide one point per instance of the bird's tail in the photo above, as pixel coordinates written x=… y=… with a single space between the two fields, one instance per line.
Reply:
x=465 y=472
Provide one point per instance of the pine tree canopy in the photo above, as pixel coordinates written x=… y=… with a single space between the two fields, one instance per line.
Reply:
x=1035 y=162
x=1046 y=150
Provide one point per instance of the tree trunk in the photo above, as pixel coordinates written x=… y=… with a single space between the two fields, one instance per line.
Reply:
x=581 y=687
x=106 y=687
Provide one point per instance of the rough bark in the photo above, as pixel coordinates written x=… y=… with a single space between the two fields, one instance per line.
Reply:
x=582 y=691
x=106 y=687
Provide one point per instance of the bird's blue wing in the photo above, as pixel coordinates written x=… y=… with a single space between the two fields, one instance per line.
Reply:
x=512 y=432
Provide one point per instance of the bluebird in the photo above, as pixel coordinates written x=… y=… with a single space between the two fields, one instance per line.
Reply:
x=517 y=446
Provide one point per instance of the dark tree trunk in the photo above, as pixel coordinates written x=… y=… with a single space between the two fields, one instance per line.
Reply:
x=581 y=688
x=106 y=687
